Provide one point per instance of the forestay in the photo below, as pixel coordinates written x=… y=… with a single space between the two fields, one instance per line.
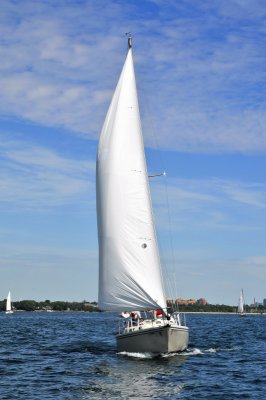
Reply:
x=129 y=263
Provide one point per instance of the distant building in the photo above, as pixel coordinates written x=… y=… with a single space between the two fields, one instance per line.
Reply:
x=202 y=302
x=254 y=304
x=264 y=302
x=185 y=302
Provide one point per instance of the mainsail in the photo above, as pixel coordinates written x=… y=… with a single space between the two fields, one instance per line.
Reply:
x=8 y=302
x=241 y=302
x=129 y=263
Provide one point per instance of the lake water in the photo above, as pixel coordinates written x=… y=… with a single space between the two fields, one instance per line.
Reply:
x=73 y=356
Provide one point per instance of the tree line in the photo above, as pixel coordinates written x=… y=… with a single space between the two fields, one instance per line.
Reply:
x=47 y=305
x=218 y=308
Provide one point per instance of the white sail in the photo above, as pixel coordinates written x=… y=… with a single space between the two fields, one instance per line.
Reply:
x=241 y=302
x=129 y=264
x=8 y=302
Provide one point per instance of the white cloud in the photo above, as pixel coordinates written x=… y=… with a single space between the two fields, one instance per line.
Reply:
x=34 y=177
x=202 y=75
x=251 y=194
x=258 y=261
x=211 y=204
x=254 y=267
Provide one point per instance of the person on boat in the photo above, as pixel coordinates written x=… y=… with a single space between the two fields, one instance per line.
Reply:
x=125 y=314
x=159 y=313
x=168 y=317
x=135 y=315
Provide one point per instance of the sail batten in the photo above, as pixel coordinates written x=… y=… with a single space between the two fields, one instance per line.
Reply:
x=129 y=262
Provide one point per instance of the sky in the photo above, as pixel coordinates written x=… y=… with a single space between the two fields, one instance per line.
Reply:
x=201 y=77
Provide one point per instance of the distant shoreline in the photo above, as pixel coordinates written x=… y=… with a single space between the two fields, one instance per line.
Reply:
x=102 y=312
x=221 y=312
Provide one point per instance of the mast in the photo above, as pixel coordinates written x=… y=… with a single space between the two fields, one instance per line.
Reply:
x=129 y=40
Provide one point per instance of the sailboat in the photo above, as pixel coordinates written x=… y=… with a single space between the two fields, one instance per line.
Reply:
x=8 y=304
x=240 y=308
x=130 y=277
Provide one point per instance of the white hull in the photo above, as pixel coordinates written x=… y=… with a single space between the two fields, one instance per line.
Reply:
x=153 y=336
x=9 y=312
x=164 y=339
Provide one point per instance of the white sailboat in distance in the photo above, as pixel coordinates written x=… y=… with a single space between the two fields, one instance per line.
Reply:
x=130 y=278
x=240 y=308
x=8 y=304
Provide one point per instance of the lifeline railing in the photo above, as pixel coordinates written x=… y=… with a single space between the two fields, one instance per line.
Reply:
x=130 y=324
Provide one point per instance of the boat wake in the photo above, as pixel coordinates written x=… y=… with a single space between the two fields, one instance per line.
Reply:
x=195 y=351
x=138 y=355
x=160 y=355
x=188 y=352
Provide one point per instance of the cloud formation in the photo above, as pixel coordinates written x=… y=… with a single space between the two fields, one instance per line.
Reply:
x=200 y=70
x=36 y=177
x=201 y=74
x=209 y=205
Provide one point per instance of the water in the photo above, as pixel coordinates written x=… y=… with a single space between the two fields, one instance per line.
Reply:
x=64 y=356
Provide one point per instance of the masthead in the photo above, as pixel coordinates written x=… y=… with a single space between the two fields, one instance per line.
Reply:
x=129 y=39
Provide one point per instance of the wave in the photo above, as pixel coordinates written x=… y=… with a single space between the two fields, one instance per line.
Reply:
x=138 y=355
x=189 y=352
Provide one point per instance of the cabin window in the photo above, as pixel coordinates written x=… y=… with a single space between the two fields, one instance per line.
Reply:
x=144 y=245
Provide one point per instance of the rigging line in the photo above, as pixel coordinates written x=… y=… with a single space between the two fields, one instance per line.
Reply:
x=162 y=161
x=171 y=230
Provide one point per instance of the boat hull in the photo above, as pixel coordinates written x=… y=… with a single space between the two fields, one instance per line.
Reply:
x=166 y=339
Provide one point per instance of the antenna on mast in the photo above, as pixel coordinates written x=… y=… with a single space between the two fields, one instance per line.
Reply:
x=160 y=174
x=129 y=39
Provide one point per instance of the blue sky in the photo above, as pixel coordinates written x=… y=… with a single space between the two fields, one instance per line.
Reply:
x=201 y=75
